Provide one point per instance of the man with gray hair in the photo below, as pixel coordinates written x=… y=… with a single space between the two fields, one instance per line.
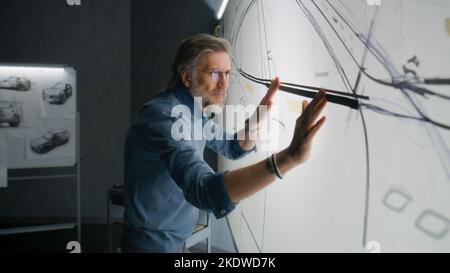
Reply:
x=166 y=179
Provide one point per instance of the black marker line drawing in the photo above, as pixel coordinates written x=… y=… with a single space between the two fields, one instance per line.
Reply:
x=414 y=60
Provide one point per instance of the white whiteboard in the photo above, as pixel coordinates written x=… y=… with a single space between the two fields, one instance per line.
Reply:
x=38 y=105
x=380 y=173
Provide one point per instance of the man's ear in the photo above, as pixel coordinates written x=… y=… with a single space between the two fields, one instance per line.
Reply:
x=186 y=78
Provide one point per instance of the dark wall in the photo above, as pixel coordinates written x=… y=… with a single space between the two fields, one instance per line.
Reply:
x=157 y=29
x=94 y=38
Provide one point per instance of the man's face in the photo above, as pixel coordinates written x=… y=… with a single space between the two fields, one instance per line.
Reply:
x=211 y=88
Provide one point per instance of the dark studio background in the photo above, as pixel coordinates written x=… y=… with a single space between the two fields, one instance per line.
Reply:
x=122 y=51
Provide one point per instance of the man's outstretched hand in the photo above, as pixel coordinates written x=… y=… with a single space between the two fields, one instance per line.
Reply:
x=298 y=151
x=306 y=128
x=253 y=123
x=267 y=101
x=268 y=98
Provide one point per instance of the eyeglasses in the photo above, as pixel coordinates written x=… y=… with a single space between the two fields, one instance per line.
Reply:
x=216 y=73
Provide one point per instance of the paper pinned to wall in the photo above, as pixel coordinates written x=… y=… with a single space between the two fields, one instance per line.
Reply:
x=34 y=102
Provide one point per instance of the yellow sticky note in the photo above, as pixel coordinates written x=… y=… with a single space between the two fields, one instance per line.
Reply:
x=248 y=87
x=294 y=105
x=447 y=25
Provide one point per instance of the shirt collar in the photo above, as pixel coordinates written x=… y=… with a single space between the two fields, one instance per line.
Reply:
x=182 y=93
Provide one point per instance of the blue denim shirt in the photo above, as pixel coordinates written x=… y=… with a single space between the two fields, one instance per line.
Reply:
x=166 y=181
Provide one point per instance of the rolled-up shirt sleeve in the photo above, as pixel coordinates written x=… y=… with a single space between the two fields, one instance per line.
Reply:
x=201 y=186
x=228 y=145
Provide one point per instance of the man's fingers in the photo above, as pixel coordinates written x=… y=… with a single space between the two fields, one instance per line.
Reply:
x=318 y=98
x=313 y=111
x=304 y=105
x=313 y=131
x=273 y=88
x=308 y=107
